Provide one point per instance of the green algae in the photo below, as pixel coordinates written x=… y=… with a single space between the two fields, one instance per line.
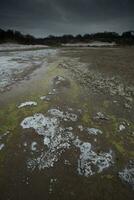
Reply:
x=119 y=146
x=86 y=119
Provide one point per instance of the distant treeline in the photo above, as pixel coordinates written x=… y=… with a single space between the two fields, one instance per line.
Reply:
x=126 y=38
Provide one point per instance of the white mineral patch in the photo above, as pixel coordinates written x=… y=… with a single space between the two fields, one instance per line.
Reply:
x=94 y=131
x=42 y=125
x=56 y=139
x=4 y=135
x=81 y=127
x=14 y=63
x=121 y=127
x=90 y=162
x=2 y=139
x=95 y=139
x=47 y=141
x=51 y=93
x=34 y=146
x=1 y=146
x=46 y=98
x=28 y=103
x=52 y=182
x=79 y=110
x=17 y=47
x=59 y=79
x=66 y=162
x=101 y=116
x=25 y=144
x=66 y=116
x=127 y=175
x=92 y=44
x=70 y=109
x=69 y=128
x=127 y=106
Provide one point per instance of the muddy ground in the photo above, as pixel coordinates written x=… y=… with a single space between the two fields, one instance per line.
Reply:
x=67 y=127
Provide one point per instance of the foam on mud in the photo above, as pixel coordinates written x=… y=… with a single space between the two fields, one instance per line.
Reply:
x=34 y=146
x=89 y=161
x=127 y=175
x=2 y=146
x=45 y=98
x=41 y=124
x=28 y=103
x=56 y=139
x=121 y=127
x=80 y=127
x=3 y=138
x=60 y=82
x=94 y=131
x=66 y=116
x=100 y=116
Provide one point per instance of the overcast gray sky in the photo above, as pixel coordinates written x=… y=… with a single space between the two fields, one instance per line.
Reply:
x=44 y=17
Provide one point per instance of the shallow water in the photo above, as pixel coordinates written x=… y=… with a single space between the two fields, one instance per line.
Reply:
x=69 y=145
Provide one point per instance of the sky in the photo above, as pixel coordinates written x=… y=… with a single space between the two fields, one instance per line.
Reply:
x=57 y=17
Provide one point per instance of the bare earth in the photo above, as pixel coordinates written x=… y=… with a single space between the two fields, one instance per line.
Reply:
x=67 y=124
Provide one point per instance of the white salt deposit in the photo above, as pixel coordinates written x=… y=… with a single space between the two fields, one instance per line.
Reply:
x=121 y=127
x=34 y=146
x=56 y=139
x=92 y=44
x=52 y=182
x=66 y=162
x=101 y=116
x=41 y=124
x=46 y=98
x=69 y=128
x=28 y=103
x=127 y=175
x=90 y=162
x=3 y=138
x=11 y=46
x=14 y=63
x=94 y=131
x=2 y=146
x=81 y=127
x=66 y=116
x=59 y=79
x=25 y=144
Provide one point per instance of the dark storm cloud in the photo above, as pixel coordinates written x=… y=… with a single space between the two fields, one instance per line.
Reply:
x=42 y=17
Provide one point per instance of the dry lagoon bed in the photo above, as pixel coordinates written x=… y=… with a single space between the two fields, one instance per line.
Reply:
x=67 y=123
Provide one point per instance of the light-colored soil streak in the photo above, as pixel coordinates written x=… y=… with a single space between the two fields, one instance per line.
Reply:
x=68 y=132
